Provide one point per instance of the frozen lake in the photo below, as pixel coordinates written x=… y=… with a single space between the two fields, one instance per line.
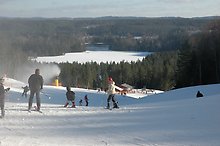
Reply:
x=95 y=56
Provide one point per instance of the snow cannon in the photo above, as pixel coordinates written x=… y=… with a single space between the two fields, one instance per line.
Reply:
x=56 y=82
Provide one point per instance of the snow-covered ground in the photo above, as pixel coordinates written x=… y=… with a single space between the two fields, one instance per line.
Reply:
x=95 y=56
x=173 y=118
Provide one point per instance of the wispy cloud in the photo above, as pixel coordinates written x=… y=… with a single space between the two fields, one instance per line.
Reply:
x=96 y=8
x=6 y=1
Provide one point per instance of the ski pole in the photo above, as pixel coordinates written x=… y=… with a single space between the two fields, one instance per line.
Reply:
x=45 y=94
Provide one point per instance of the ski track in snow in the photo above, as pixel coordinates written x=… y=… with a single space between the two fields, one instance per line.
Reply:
x=19 y=122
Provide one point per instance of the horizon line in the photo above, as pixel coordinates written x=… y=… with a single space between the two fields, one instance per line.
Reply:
x=40 y=17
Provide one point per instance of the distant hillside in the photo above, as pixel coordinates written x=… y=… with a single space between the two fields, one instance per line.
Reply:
x=41 y=36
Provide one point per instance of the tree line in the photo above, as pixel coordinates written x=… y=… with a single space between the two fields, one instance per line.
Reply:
x=154 y=71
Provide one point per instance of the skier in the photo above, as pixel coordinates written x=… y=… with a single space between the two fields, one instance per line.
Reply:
x=111 y=92
x=70 y=96
x=26 y=89
x=86 y=100
x=35 y=82
x=199 y=94
x=2 y=97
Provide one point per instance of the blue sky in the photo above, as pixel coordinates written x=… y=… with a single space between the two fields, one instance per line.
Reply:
x=98 y=8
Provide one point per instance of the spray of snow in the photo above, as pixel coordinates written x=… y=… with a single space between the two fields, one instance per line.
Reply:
x=48 y=71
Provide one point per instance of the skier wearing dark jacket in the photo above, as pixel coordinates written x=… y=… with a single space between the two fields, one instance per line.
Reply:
x=70 y=96
x=35 y=82
x=199 y=94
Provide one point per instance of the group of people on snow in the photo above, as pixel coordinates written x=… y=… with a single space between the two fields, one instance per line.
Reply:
x=35 y=82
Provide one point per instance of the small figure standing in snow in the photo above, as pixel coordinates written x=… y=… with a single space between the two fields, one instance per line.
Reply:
x=80 y=102
x=199 y=94
x=86 y=100
x=111 y=92
x=35 y=82
x=26 y=89
x=2 y=97
x=70 y=96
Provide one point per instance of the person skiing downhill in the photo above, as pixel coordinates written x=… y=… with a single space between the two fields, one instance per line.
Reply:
x=70 y=96
x=111 y=92
x=2 y=97
x=35 y=82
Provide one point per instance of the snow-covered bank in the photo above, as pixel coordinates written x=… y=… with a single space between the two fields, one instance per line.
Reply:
x=184 y=93
x=95 y=56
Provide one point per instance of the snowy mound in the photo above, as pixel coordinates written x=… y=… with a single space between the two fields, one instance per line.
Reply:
x=183 y=93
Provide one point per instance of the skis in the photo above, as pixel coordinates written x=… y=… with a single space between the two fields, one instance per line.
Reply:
x=111 y=108
x=108 y=108
x=35 y=109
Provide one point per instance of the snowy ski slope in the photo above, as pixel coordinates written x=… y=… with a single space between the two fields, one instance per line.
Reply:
x=173 y=118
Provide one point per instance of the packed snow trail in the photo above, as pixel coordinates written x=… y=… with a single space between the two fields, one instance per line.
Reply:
x=174 y=123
